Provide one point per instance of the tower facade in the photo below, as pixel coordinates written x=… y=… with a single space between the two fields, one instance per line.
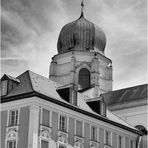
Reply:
x=81 y=63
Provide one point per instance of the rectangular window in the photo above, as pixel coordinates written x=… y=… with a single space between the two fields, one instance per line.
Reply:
x=13 y=117
x=131 y=144
x=4 y=87
x=44 y=144
x=46 y=117
x=79 y=128
x=94 y=133
x=11 y=144
x=120 y=141
x=63 y=123
x=62 y=146
x=108 y=137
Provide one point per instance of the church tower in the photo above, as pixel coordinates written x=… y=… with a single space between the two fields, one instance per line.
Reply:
x=81 y=64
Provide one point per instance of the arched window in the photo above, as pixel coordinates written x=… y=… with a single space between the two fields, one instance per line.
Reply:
x=84 y=79
x=142 y=129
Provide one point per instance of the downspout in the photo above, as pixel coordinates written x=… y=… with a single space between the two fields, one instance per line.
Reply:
x=138 y=141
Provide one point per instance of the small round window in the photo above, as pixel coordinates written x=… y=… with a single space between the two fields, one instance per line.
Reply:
x=142 y=129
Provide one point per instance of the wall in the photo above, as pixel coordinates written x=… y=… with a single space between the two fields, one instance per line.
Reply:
x=3 y=127
x=62 y=66
x=72 y=116
x=135 y=116
x=21 y=128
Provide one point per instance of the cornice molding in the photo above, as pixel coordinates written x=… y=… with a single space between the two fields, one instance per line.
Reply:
x=75 y=108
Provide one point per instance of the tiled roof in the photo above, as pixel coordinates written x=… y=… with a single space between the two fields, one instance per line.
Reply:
x=130 y=94
x=32 y=82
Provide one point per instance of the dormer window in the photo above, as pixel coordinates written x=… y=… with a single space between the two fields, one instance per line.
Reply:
x=4 y=88
x=7 y=84
x=98 y=106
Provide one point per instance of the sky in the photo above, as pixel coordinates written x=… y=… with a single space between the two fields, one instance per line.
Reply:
x=30 y=29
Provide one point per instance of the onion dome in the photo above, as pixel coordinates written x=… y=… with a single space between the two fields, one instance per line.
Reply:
x=81 y=35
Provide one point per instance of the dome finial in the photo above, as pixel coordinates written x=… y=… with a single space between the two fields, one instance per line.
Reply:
x=82 y=5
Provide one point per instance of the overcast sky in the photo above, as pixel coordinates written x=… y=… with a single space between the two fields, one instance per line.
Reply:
x=30 y=30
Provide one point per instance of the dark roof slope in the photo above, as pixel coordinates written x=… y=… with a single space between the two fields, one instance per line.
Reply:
x=32 y=82
x=7 y=77
x=130 y=94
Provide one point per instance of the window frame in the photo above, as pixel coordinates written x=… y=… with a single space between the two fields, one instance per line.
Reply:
x=8 y=117
x=64 y=146
x=65 y=126
x=131 y=143
x=41 y=117
x=120 y=142
x=76 y=128
x=42 y=139
x=13 y=140
x=109 y=141
x=95 y=137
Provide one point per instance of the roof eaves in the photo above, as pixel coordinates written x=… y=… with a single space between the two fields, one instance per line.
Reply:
x=33 y=93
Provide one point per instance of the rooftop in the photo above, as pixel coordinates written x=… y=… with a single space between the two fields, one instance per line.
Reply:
x=32 y=84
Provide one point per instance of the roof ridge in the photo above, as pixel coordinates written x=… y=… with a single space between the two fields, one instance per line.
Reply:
x=28 y=71
x=10 y=77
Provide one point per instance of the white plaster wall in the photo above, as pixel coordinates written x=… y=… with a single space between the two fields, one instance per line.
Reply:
x=61 y=70
x=136 y=116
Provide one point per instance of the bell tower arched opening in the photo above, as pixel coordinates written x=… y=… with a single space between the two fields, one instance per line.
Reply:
x=83 y=79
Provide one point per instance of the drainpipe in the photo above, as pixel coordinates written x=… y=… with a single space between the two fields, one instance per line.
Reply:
x=138 y=141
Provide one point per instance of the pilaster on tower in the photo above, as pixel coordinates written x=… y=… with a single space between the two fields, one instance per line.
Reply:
x=81 y=64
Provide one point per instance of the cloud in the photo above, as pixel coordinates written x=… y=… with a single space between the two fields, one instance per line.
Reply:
x=30 y=30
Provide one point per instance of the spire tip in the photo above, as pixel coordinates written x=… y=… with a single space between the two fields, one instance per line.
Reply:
x=82 y=5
